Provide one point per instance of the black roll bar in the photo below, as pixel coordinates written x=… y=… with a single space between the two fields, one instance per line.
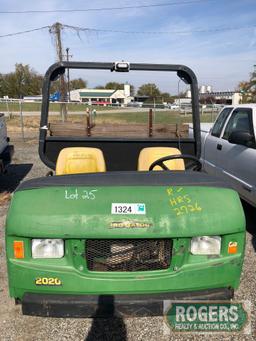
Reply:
x=183 y=72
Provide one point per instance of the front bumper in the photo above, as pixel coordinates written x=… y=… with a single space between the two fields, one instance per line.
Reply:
x=48 y=305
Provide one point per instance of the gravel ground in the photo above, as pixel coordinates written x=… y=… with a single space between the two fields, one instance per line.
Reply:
x=14 y=326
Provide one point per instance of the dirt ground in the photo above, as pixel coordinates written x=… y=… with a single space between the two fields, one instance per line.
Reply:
x=14 y=326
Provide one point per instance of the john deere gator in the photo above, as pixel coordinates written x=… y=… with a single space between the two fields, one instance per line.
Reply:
x=124 y=224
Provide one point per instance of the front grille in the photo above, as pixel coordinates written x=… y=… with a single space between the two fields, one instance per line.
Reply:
x=128 y=254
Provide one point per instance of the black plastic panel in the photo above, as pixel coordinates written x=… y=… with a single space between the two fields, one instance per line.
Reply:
x=120 y=155
x=58 y=305
x=164 y=178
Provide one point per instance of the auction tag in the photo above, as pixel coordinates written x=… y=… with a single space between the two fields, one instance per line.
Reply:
x=125 y=208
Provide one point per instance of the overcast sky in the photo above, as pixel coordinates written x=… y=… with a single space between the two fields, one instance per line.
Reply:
x=220 y=58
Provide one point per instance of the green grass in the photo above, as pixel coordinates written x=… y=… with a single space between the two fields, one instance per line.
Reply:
x=162 y=117
x=15 y=107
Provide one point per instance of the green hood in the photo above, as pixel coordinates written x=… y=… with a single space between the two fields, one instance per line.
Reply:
x=85 y=212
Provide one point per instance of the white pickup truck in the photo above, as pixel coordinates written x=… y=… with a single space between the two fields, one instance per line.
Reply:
x=6 y=150
x=229 y=149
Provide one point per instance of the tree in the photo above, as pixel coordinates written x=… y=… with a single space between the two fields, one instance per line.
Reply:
x=78 y=83
x=3 y=86
x=244 y=89
x=149 y=89
x=248 y=88
x=119 y=86
x=167 y=97
x=116 y=86
x=132 y=90
x=24 y=81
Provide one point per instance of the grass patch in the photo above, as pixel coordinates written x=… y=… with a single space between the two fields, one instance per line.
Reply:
x=162 y=117
x=32 y=107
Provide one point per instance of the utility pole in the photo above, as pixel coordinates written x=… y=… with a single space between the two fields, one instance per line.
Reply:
x=67 y=56
x=56 y=31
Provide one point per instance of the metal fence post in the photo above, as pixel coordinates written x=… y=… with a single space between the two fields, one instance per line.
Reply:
x=7 y=107
x=21 y=120
x=150 y=123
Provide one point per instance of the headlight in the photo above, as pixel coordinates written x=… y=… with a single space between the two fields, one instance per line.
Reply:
x=47 y=248
x=205 y=245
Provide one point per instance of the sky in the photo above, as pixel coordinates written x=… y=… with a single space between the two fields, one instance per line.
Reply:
x=220 y=58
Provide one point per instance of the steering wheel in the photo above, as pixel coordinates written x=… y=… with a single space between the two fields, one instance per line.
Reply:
x=194 y=165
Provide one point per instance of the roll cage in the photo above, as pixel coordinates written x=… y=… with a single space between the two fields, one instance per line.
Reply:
x=120 y=153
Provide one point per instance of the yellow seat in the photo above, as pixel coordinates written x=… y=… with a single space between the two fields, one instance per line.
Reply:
x=149 y=155
x=80 y=160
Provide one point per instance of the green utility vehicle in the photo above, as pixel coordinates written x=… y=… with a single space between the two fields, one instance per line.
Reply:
x=150 y=229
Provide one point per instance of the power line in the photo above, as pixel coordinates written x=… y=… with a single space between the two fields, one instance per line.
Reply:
x=217 y=29
x=164 y=4
x=96 y=30
x=24 y=32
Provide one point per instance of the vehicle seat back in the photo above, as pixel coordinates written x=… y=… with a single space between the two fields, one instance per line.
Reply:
x=149 y=155
x=76 y=160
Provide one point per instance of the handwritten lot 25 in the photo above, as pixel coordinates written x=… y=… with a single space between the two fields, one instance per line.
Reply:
x=80 y=194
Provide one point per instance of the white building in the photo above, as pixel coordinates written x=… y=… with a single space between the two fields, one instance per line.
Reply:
x=102 y=96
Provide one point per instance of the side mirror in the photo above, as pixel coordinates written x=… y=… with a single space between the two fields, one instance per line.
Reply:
x=240 y=137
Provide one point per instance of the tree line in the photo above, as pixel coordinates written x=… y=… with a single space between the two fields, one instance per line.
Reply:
x=248 y=88
x=25 y=81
